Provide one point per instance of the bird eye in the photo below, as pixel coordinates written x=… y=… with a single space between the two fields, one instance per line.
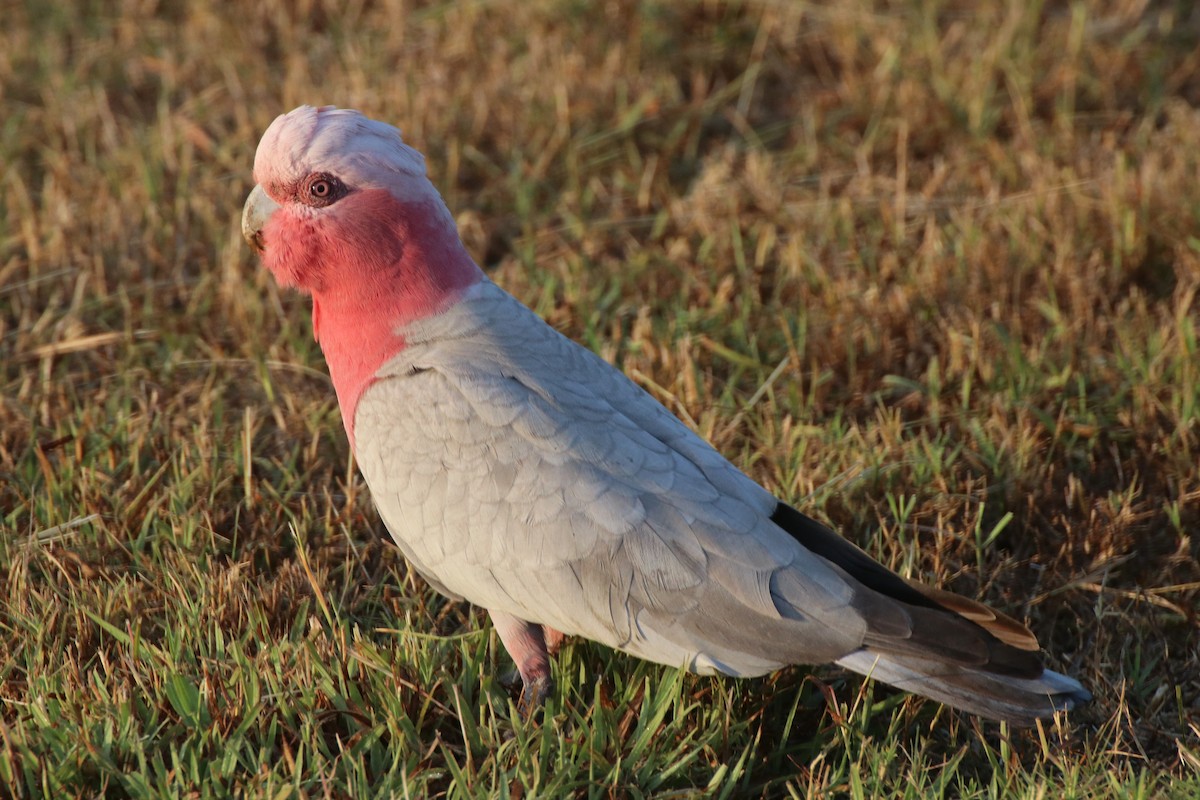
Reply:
x=321 y=189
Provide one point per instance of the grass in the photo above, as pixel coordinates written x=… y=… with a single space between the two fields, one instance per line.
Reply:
x=928 y=269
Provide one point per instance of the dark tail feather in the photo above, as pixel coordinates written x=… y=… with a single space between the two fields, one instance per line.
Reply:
x=934 y=643
x=1020 y=701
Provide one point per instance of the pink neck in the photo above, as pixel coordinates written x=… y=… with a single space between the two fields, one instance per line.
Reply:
x=359 y=334
x=355 y=348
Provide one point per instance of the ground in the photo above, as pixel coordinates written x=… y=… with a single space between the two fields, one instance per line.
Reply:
x=927 y=269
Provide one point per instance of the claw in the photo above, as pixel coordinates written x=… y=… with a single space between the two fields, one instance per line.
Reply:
x=534 y=694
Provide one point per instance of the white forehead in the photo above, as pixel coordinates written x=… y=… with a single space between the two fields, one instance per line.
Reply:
x=340 y=141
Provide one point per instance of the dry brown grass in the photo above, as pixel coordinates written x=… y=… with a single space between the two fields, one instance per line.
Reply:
x=950 y=253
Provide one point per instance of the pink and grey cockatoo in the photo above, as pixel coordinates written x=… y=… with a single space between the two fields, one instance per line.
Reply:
x=522 y=472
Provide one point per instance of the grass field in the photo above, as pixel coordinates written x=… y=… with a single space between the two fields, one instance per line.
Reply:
x=927 y=268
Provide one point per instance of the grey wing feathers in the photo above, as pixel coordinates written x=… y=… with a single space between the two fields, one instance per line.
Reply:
x=585 y=506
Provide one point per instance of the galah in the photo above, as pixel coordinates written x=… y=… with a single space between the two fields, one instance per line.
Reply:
x=522 y=472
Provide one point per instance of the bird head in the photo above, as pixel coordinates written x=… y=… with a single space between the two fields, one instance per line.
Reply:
x=343 y=210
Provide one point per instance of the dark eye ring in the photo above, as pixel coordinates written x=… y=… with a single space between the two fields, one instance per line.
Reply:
x=321 y=189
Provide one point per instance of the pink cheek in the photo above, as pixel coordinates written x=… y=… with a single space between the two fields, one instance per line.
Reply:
x=292 y=254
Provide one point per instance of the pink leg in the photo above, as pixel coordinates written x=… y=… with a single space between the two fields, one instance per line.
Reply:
x=526 y=643
x=553 y=639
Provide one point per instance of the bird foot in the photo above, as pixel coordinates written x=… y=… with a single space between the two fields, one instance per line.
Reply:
x=530 y=695
x=533 y=696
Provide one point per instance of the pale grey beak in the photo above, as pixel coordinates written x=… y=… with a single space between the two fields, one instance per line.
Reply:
x=258 y=209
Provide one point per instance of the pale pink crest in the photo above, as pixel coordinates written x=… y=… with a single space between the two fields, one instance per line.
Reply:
x=338 y=140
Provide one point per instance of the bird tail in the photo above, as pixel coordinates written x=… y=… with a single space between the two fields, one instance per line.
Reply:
x=1020 y=701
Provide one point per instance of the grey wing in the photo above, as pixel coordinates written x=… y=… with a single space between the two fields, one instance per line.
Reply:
x=520 y=471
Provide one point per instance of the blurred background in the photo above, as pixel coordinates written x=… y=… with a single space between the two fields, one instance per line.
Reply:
x=926 y=268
